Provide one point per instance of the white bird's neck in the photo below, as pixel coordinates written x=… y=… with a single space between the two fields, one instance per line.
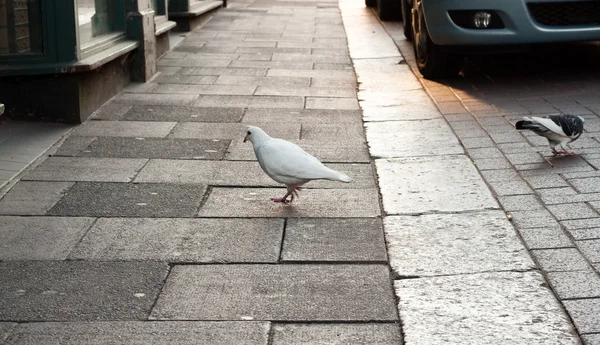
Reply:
x=259 y=138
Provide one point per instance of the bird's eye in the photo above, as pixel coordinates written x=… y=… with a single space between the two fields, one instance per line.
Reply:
x=249 y=133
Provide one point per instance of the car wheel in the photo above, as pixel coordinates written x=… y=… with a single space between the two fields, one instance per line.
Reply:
x=370 y=3
x=388 y=9
x=432 y=61
x=406 y=19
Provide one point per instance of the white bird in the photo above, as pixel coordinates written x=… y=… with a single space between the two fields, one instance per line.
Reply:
x=288 y=163
x=558 y=129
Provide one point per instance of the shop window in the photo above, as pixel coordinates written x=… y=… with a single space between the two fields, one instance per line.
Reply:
x=20 y=27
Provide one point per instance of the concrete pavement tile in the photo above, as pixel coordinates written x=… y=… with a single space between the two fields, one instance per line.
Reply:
x=111 y=111
x=585 y=234
x=533 y=219
x=189 y=240
x=572 y=211
x=398 y=139
x=585 y=314
x=591 y=339
x=204 y=89
x=591 y=249
x=525 y=158
x=142 y=332
x=258 y=72
x=183 y=114
x=271 y=64
x=486 y=238
x=185 y=79
x=306 y=91
x=236 y=173
x=505 y=188
x=262 y=81
x=233 y=131
x=331 y=103
x=124 y=129
x=578 y=284
x=277 y=292
x=334 y=240
x=5 y=330
x=291 y=102
x=115 y=147
x=324 y=81
x=272 y=50
x=432 y=184
x=338 y=59
x=544 y=238
x=195 y=62
x=491 y=163
x=347 y=76
x=541 y=179
x=557 y=260
x=152 y=99
x=313 y=203
x=582 y=223
x=389 y=71
x=477 y=142
x=403 y=112
x=486 y=152
x=520 y=202
x=86 y=169
x=40 y=238
x=327 y=152
x=32 y=197
x=332 y=66
x=586 y=185
x=140 y=87
x=130 y=200
x=337 y=334
x=304 y=116
x=333 y=132
x=494 y=308
x=73 y=146
x=79 y=291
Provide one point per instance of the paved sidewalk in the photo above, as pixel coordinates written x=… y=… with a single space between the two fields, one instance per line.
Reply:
x=152 y=222
x=554 y=201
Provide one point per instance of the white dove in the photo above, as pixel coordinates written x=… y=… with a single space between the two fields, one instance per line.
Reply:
x=289 y=164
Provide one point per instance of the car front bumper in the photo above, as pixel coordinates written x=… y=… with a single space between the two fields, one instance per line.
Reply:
x=520 y=26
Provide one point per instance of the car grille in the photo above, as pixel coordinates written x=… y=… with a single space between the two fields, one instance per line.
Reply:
x=569 y=13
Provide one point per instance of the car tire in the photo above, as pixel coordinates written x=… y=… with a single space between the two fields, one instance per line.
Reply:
x=406 y=19
x=370 y=3
x=388 y=10
x=433 y=62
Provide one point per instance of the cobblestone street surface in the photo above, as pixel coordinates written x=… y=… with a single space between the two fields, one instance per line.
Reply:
x=152 y=223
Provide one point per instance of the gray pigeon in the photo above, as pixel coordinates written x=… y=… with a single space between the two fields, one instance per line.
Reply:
x=289 y=164
x=558 y=129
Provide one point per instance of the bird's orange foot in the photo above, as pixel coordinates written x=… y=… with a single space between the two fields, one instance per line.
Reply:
x=282 y=200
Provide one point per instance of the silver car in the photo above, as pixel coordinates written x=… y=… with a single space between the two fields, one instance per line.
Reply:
x=443 y=31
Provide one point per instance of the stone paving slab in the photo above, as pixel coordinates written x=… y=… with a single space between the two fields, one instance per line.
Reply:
x=208 y=240
x=584 y=314
x=182 y=114
x=185 y=79
x=560 y=259
x=86 y=169
x=334 y=133
x=111 y=111
x=313 y=203
x=308 y=73
x=500 y=307
x=546 y=237
x=210 y=71
x=304 y=116
x=205 y=89
x=124 y=129
x=486 y=238
x=578 y=284
x=591 y=339
x=337 y=334
x=5 y=329
x=40 y=238
x=292 y=102
x=32 y=197
x=241 y=173
x=406 y=139
x=151 y=99
x=432 y=184
x=139 y=332
x=72 y=146
x=277 y=292
x=262 y=81
x=130 y=200
x=115 y=147
x=78 y=291
x=305 y=91
x=324 y=151
x=349 y=103
x=232 y=131
x=591 y=249
x=334 y=240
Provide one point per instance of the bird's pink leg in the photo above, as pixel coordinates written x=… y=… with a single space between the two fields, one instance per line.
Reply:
x=292 y=190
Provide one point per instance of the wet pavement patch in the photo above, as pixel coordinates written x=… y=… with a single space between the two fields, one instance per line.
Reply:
x=130 y=200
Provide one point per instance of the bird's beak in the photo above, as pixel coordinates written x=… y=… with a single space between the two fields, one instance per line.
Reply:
x=245 y=139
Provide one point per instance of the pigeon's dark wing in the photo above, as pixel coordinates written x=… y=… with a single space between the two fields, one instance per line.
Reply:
x=571 y=125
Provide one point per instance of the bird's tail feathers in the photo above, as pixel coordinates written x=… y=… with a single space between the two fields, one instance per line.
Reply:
x=342 y=177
